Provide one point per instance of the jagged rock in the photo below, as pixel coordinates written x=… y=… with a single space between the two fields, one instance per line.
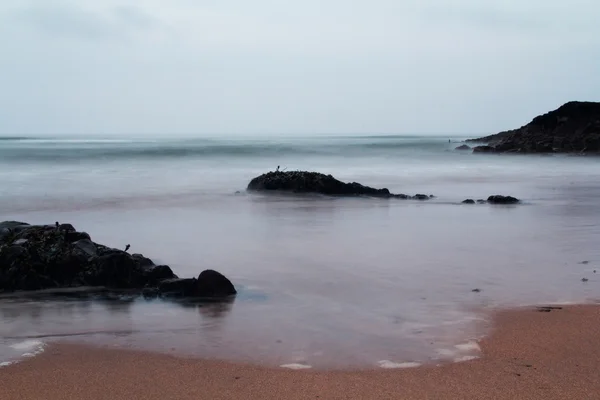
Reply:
x=468 y=201
x=463 y=147
x=574 y=127
x=315 y=182
x=34 y=257
x=85 y=247
x=499 y=199
x=312 y=182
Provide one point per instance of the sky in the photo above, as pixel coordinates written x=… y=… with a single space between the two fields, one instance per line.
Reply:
x=119 y=67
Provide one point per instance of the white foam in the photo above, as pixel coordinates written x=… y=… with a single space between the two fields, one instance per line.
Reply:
x=6 y=363
x=470 y=346
x=296 y=366
x=390 y=364
x=27 y=345
x=465 y=358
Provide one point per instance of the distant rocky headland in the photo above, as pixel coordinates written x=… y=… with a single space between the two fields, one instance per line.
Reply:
x=572 y=128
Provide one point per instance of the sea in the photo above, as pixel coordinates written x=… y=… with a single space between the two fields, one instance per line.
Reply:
x=323 y=282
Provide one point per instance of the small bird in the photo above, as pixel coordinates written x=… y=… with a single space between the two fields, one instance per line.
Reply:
x=57 y=224
x=277 y=168
x=127 y=247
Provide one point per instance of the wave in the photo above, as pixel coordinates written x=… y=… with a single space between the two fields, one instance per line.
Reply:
x=75 y=149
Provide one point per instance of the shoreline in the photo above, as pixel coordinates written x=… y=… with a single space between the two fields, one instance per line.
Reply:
x=528 y=354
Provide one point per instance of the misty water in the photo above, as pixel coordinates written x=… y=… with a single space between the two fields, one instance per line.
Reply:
x=325 y=282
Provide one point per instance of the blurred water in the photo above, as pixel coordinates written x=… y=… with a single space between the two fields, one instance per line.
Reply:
x=324 y=282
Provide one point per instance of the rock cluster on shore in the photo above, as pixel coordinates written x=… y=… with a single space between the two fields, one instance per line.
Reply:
x=34 y=257
x=572 y=128
x=315 y=182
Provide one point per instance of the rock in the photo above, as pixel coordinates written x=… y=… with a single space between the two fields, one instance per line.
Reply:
x=499 y=199
x=66 y=228
x=157 y=273
x=142 y=261
x=9 y=228
x=85 y=247
x=177 y=287
x=483 y=149
x=481 y=201
x=34 y=257
x=213 y=284
x=574 y=127
x=73 y=236
x=463 y=147
x=210 y=284
x=468 y=201
x=115 y=269
x=312 y=182
x=421 y=197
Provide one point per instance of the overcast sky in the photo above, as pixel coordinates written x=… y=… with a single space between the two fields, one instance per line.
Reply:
x=310 y=66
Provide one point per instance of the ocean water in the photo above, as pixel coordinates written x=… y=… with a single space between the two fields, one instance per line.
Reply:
x=323 y=282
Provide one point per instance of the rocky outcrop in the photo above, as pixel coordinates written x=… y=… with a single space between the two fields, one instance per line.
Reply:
x=499 y=199
x=315 y=182
x=463 y=147
x=34 y=257
x=494 y=199
x=572 y=128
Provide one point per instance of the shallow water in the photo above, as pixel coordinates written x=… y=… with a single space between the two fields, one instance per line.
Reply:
x=323 y=282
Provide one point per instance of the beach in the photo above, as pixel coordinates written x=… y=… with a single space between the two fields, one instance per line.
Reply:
x=322 y=282
x=529 y=355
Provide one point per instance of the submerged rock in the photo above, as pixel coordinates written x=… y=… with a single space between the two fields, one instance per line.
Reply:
x=463 y=147
x=499 y=199
x=315 y=182
x=34 y=257
x=468 y=201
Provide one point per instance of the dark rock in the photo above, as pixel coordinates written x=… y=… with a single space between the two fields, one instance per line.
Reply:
x=66 y=228
x=154 y=274
x=86 y=247
x=463 y=147
x=421 y=197
x=142 y=261
x=483 y=149
x=481 y=201
x=178 y=287
x=468 y=201
x=476 y=290
x=34 y=257
x=312 y=182
x=213 y=284
x=74 y=236
x=574 y=127
x=499 y=199
x=116 y=269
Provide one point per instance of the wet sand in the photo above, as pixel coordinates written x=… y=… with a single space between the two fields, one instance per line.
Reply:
x=529 y=355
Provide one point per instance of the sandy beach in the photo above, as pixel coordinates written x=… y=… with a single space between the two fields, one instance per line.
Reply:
x=530 y=354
